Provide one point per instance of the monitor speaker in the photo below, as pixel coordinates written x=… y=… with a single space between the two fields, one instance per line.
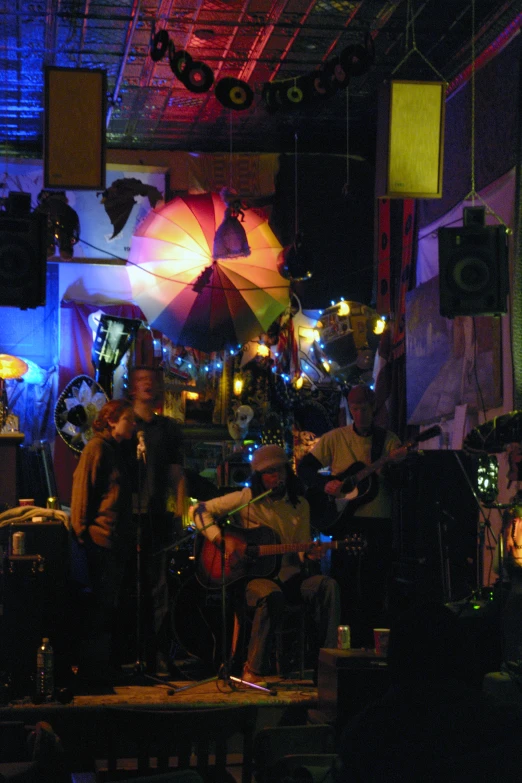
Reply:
x=473 y=270
x=410 y=139
x=23 y=260
x=74 y=137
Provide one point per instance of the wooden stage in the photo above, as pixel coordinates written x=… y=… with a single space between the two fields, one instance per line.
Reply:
x=81 y=724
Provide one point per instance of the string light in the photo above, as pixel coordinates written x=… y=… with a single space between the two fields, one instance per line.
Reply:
x=263 y=350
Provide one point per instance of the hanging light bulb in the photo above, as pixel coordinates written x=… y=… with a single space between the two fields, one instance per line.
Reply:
x=298 y=382
x=263 y=350
x=343 y=308
x=238 y=386
x=379 y=326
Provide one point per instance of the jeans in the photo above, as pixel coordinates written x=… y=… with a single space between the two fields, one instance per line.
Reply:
x=267 y=598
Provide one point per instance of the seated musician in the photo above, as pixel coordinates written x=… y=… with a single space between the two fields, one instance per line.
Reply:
x=286 y=512
x=343 y=450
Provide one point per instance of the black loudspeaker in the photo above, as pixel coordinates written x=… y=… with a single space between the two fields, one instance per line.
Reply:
x=234 y=472
x=473 y=270
x=436 y=526
x=23 y=260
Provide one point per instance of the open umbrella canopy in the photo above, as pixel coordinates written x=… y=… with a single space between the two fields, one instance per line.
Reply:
x=194 y=299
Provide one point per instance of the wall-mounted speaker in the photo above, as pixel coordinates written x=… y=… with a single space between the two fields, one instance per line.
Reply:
x=23 y=260
x=234 y=472
x=74 y=135
x=473 y=270
x=410 y=139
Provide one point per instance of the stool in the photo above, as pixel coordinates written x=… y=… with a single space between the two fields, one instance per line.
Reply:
x=293 y=623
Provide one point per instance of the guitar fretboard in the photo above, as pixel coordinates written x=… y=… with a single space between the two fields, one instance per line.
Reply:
x=281 y=549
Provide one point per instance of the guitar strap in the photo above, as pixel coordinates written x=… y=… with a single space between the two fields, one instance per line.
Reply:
x=378 y=439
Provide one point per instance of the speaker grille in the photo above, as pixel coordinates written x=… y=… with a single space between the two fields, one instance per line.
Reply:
x=23 y=261
x=473 y=271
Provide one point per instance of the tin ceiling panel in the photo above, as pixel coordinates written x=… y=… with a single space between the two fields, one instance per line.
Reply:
x=255 y=41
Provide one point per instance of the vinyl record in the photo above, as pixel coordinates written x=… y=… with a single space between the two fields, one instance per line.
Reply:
x=357 y=59
x=179 y=62
x=197 y=77
x=294 y=93
x=234 y=93
x=270 y=98
x=322 y=82
x=77 y=407
x=159 y=45
x=340 y=75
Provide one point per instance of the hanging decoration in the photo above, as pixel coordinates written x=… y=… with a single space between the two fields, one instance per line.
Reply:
x=323 y=82
x=230 y=240
x=194 y=299
x=295 y=260
x=234 y=94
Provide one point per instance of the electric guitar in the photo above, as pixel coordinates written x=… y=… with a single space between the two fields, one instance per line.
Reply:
x=360 y=486
x=255 y=552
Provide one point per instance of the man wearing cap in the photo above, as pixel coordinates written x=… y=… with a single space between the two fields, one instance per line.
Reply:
x=286 y=512
x=341 y=449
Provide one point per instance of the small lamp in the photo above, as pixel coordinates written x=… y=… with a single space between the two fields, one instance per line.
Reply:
x=11 y=367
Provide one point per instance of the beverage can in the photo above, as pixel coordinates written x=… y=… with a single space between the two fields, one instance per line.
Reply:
x=344 y=641
x=18 y=543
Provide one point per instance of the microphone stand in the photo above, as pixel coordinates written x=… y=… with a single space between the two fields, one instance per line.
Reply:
x=140 y=674
x=223 y=672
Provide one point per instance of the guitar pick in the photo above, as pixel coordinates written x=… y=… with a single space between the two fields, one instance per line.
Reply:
x=197 y=77
x=234 y=93
x=159 y=45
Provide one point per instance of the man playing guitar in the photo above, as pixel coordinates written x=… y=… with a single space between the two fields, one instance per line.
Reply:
x=367 y=506
x=281 y=508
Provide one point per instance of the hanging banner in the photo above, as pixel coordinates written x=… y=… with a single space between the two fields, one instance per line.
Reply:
x=383 y=258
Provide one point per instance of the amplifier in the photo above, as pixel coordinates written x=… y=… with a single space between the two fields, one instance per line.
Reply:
x=35 y=599
x=347 y=680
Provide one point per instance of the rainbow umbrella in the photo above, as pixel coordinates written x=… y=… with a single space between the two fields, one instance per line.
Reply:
x=194 y=299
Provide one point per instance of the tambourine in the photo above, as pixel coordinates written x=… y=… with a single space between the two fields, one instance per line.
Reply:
x=234 y=94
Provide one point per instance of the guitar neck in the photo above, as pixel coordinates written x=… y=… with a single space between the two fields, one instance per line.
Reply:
x=375 y=466
x=282 y=549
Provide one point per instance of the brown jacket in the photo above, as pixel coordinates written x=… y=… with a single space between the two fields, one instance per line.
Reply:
x=101 y=505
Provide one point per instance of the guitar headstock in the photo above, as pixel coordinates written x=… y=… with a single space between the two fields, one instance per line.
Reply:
x=354 y=544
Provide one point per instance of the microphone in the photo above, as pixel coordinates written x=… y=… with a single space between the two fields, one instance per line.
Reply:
x=141 y=449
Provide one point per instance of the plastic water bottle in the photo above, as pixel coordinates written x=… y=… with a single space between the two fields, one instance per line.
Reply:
x=45 y=671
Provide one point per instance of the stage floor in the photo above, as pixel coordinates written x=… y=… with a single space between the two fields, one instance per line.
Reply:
x=80 y=723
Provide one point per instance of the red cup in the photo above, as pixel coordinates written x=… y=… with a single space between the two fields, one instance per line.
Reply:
x=380 y=638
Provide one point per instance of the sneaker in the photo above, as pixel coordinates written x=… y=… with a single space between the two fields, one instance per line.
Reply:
x=255 y=679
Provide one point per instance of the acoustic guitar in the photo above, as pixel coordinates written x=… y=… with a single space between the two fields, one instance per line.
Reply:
x=255 y=552
x=360 y=486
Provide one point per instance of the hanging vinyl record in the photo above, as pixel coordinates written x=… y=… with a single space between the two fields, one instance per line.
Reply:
x=77 y=407
x=159 y=46
x=294 y=93
x=179 y=61
x=271 y=96
x=197 y=77
x=340 y=75
x=322 y=82
x=357 y=59
x=234 y=93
